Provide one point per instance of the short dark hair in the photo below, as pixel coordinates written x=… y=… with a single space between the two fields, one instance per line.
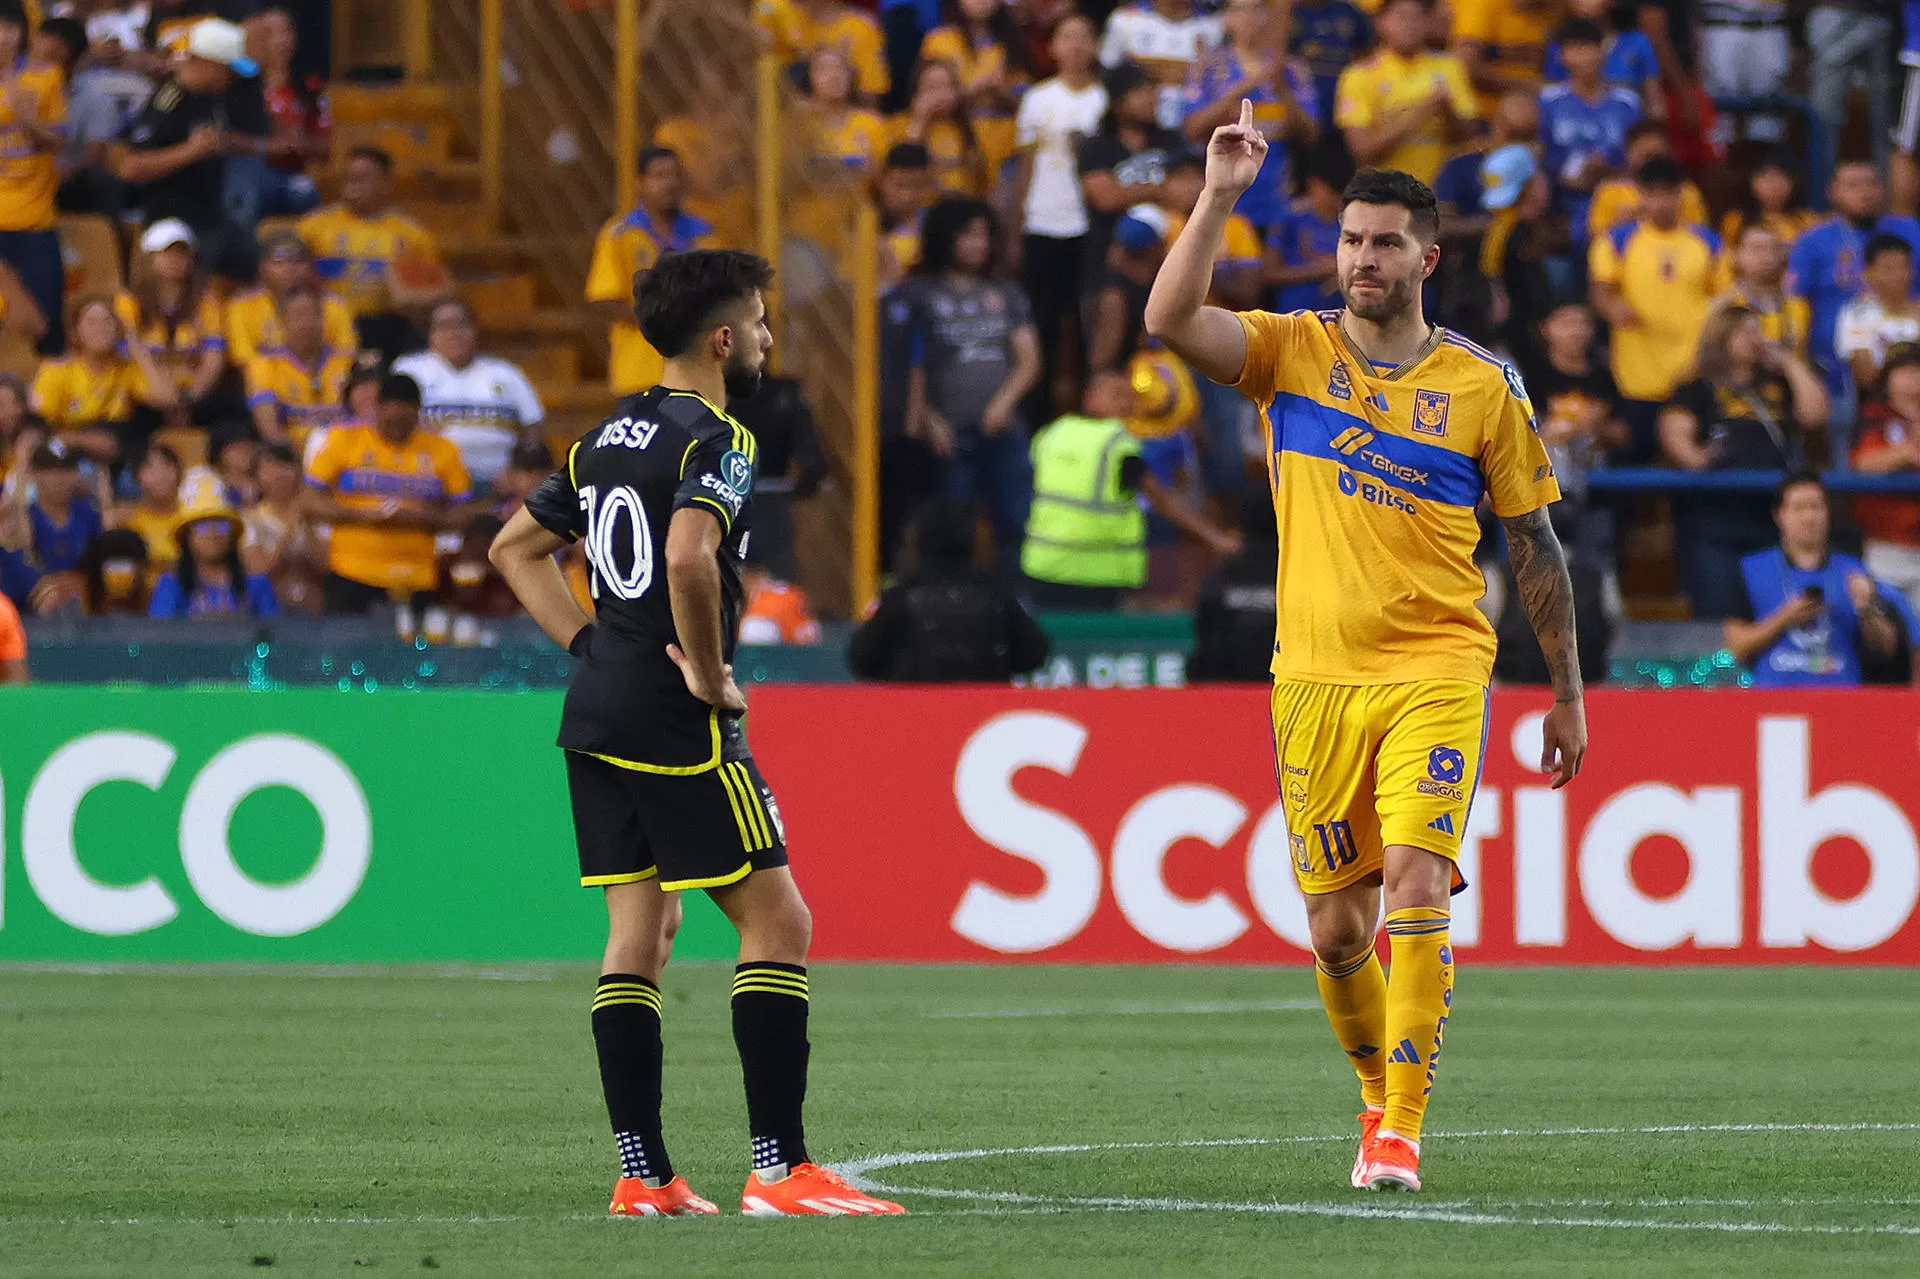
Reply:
x=1580 y=31
x=1329 y=164
x=1186 y=158
x=379 y=155
x=454 y=300
x=1661 y=171
x=1884 y=242
x=648 y=155
x=1645 y=129
x=942 y=227
x=909 y=155
x=399 y=388
x=676 y=300
x=53 y=455
x=1793 y=480
x=1390 y=186
x=15 y=12
x=69 y=32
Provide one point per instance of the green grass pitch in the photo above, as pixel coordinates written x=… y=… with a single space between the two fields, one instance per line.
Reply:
x=224 y=1122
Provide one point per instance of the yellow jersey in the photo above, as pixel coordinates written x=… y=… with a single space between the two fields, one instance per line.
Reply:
x=797 y=33
x=177 y=350
x=840 y=157
x=253 y=325
x=1515 y=39
x=993 y=128
x=1670 y=279
x=363 y=470
x=1786 y=320
x=626 y=245
x=1376 y=478
x=71 y=393
x=29 y=176
x=158 y=529
x=957 y=168
x=1376 y=87
x=305 y=397
x=1789 y=224
x=1616 y=202
x=353 y=254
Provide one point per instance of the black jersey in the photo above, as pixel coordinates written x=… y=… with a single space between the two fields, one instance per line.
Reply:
x=660 y=451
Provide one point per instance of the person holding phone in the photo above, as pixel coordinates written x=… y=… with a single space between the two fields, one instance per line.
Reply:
x=1812 y=614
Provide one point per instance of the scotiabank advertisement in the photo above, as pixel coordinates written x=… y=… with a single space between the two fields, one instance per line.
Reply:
x=1081 y=825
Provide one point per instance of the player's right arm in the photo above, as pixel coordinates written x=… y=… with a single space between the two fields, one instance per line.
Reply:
x=1212 y=340
x=523 y=552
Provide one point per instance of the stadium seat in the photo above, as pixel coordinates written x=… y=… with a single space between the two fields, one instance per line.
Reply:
x=189 y=442
x=90 y=252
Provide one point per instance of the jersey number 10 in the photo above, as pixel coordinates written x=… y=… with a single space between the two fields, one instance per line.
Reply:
x=603 y=541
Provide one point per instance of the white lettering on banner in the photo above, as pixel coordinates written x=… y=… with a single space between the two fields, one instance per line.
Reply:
x=1793 y=824
x=346 y=838
x=46 y=834
x=1539 y=847
x=1147 y=833
x=1707 y=824
x=1271 y=880
x=983 y=788
x=52 y=861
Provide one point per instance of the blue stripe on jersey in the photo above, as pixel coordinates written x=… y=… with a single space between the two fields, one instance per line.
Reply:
x=1473 y=348
x=1308 y=427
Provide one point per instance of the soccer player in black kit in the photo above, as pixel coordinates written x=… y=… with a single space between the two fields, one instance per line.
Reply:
x=665 y=795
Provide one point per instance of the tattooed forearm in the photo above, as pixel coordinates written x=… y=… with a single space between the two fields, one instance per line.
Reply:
x=1540 y=571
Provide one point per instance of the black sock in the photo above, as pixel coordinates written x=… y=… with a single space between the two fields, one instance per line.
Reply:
x=770 y=1029
x=626 y=1030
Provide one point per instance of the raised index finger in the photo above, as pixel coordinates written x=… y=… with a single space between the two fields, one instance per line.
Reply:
x=1246 y=113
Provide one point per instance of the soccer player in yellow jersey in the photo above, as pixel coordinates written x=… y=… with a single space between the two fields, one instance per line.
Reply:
x=1383 y=433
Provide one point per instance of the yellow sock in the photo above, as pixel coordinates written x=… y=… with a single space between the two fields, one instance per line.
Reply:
x=1419 y=999
x=1355 y=993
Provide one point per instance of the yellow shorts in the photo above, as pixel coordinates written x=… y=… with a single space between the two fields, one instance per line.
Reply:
x=1362 y=767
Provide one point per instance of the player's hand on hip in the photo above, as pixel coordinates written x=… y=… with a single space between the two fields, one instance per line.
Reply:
x=1563 y=741
x=1235 y=154
x=723 y=692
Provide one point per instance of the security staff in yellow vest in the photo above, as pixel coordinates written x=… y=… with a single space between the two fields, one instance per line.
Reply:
x=1086 y=543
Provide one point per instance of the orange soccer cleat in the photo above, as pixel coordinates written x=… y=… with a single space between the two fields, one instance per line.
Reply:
x=809 y=1190
x=633 y=1197
x=1369 y=1128
x=1393 y=1164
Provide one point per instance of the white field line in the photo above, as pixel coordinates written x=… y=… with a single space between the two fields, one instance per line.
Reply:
x=1484 y=1214
x=1140 y=1010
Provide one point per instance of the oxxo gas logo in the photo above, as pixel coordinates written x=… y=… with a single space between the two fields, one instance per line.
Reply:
x=55 y=872
x=1552 y=867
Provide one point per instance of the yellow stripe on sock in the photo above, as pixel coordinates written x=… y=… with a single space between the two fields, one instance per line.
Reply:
x=622 y=1000
x=758 y=989
x=775 y=979
x=779 y=973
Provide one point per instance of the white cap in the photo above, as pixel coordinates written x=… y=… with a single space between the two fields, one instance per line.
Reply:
x=166 y=233
x=220 y=41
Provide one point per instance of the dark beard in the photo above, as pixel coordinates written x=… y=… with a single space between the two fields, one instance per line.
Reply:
x=1398 y=298
x=742 y=383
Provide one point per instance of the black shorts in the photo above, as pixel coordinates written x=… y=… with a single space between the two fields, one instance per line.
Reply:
x=694 y=830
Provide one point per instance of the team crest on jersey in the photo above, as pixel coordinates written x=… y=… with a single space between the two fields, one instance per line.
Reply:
x=737 y=471
x=1514 y=383
x=1430 y=412
x=1339 y=383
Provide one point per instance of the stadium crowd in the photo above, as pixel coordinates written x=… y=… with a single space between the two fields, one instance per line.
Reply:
x=301 y=419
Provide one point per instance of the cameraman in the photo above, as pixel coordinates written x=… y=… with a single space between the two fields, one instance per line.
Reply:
x=1813 y=615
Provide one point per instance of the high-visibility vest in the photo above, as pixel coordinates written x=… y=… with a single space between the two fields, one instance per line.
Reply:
x=1084 y=529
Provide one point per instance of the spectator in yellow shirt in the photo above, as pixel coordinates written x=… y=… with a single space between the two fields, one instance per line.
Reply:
x=387 y=489
x=178 y=319
x=286 y=264
x=1759 y=260
x=33 y=129
x=1773 y=201
x=1655 y=280
x=1616 y=201
x=800 y=28
x=1503 y=45
x=93 y=396
x=296 y=389
x=714 y=140
x=155 y=513
x=1405 y=107
x=382 y=263
x=842 y=145
x=985 y=45
x=906 y=191
x=937 y=119
x=631 y=243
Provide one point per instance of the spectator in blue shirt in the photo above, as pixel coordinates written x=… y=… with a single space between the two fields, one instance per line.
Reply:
x=209 y=580
x=1812 y=614
x=1285 y=105
x=1301 y=245
x=1825 y=264
x=1584 y=124
x=1330 y=37
x=63 y=518
x=1630 y=62
x=1459 y=188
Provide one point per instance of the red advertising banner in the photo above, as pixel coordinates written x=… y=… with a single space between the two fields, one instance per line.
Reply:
x=1082 y=825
